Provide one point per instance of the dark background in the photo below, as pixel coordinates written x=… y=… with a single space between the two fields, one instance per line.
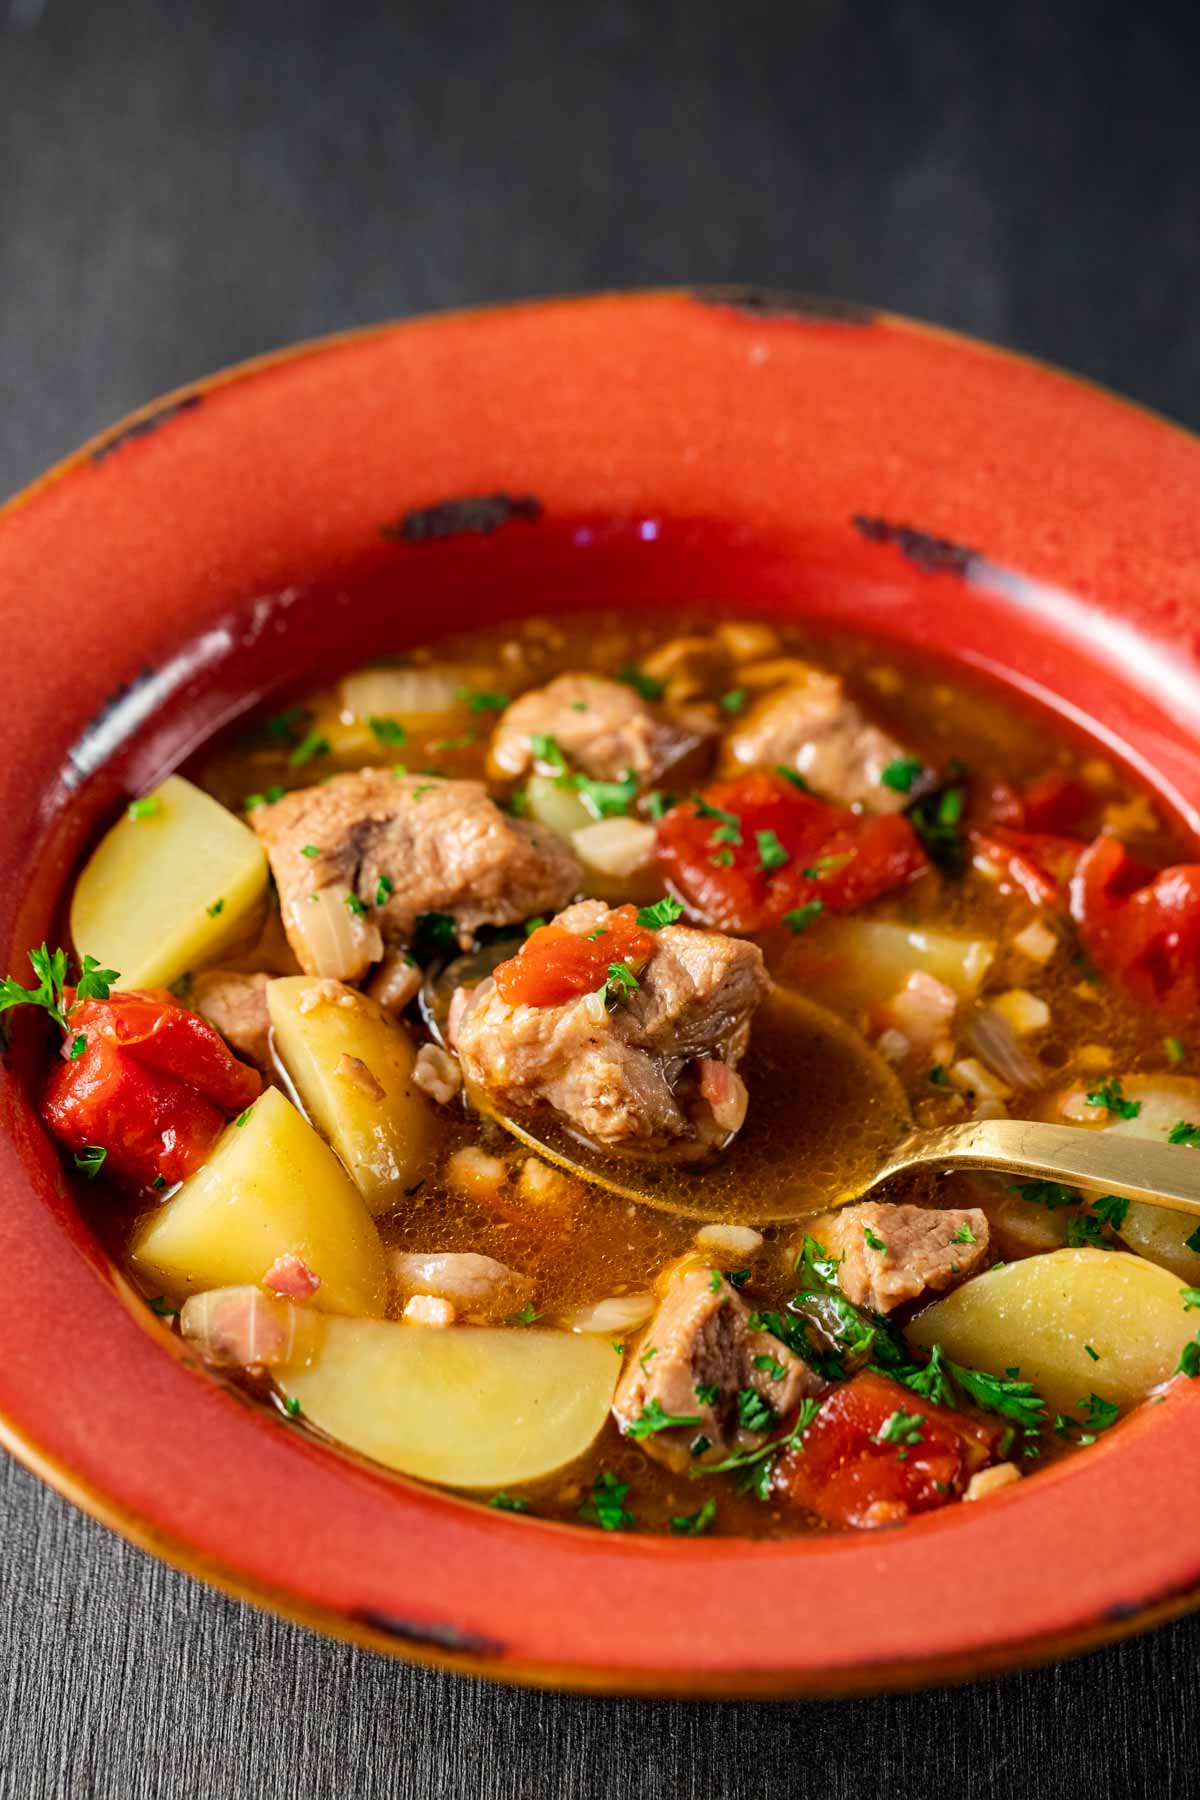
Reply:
x=185 y=185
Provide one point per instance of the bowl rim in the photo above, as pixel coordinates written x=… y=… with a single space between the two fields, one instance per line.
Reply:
x=1178 y=1593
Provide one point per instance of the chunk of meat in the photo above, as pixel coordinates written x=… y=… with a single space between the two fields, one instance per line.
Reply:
x=241 y=1327
x=891 y=1254
x=626 y=1075
x=876 y=1453
x=479 y=1287
x=813 y=726
x=602 y=727
x=696 y=1356
x=290 y=1277
x=236 y=1005
x=401 y=846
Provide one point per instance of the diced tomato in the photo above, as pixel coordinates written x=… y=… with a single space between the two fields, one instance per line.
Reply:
x=152 y=1087
x=1140 y=927
x=756 y=847
x=1040 y=863
x=1055 y=802
x=554 y=964
x=853 y=1468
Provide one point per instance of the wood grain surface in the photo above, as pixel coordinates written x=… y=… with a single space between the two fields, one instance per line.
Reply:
x=188 y=182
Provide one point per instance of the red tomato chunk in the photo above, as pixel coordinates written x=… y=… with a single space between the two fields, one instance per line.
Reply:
x=152 y=1087
x=876 y=1453
x=1140 y=927
x=757 y=847
x=555 y=965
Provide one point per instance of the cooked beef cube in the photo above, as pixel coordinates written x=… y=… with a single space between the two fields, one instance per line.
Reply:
x=694 y=1359
x=629 y=1075
x=602 y=727
x=236 y=1005
x=890 y=1254
x=400 y=846
x=813 y=726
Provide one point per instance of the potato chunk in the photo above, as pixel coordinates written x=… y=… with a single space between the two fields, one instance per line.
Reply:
x=353 y=1070
x=169 y=889
x=270 y=1188
x=470 y=1405
x=1039 y=1314
x=858 y=962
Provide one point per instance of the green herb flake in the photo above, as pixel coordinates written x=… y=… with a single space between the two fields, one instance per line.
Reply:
x=663 y=912
x=794 y=776
x=707 y=1393
x=1086 y=1233
x=935 y=819
x=653 y=1419
x=293 y=1407
x=603 y=799
x=50 y=967
x=647 y=1356
x=162 y=1307
x=147 y=808
x=1090 y=1350
x=801 y=917
x=309 y=749
x=547 y=752
x=1174 y=1049
x=1111 y=1099
x=902 y=773
x=938 y=1076
x=620 y=983
x=648 y=686
x=754 y=1413
x=532 y=925
x=268 y=798
x=309 y=850
x=386 y=886
x=216 y=909
x=768 y=1366
x=733 y=701
x=388 y=731
x=78 y=1045
x=901 y=1427
x=1183 y=1133
x=90 y=1160
x=513 y=1503
x=694 y=1524
x=715 y=1280
x=160 y=1181
x=872 y=1240
x=526 y=1316
x=1191 y=1298
x=1111 y=1209
x=964 y=1235
x=1189 y=1359
x=1050 y=1194
x=355 y=905
x=658 y=805
x=771 y=853
x=605 y=1504
x=1192 y=1241
x=436 y=928
x=484 y=702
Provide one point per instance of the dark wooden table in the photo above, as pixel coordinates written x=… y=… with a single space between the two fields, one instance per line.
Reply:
x=184 y=184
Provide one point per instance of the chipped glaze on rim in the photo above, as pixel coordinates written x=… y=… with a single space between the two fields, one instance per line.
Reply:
x=222 y=541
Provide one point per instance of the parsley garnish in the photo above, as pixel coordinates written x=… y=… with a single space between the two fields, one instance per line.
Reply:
x=657 y=805
x=647 y=1356
x=546 y=750
x=509 y=1503
x=1191 y=1298
x=1183 y=1133
x=1110 y=1209
x=714 y=1283
x=1189 y=1359
x=90 y=1160
x=1090 y=1350
x=309 y=850
x=694 y=1524
x=243 y=1116
x=733 y=701
x=936 y=819
x=652 y=1418
x=901 y=1427
x=1086 y=1233
x=603 y=799
x=1192 y=1242
x=901 y=774
x=707 y=1393
x=938 y=1076
x=308 y=748
x=1046 y=1193
x=437 y=928
x=356 y=906
x=801 y=917
x=771 y=853
x=388 y=731
x=145 y=808
x=526 y=1316
x=1110 y=1097
x=794 y=776
x=293 y=1407
x=216 y=909
x=648 y=686
x=872 y=1240
x=78 y=1045
x=160 y=1305
x=532 y=925
x=663 y=912
x=483 y=702
x=744 y=1459
x=50 y=967
x=605 y=1504
x=271 y=795
x=964 y=1235
x=754 y=1413
x=385 y=887
x=621 y=982
x=281 y=727
x=769 y=1366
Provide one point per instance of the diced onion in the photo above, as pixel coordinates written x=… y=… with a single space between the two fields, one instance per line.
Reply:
x=622 y=1312
x=729 y=1240
x=1037 y=942
x=427 y=1309
x=990 y=1481
x=413 y=694
x=337 y=942
x=893 y=1045
x=993 y=1039
x=617 y=846
x=1024 y=1011
x=970 y=1077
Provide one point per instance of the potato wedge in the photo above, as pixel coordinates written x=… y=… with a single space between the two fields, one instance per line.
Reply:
x=1038 y=1315
x=558 y=808
x=352 y=1067
x=469 y=1405
x=169 y=890
x=270 y=1186
x=852 y=963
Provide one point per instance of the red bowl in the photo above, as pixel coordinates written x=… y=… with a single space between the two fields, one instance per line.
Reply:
x=767 y=452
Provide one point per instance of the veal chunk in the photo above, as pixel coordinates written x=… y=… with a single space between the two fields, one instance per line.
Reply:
x=236 y=1005
x=406 y=845
x=890 y=1254
x=633 y=1075
x=694 y=1358
x=602 y=727
x=813 y=726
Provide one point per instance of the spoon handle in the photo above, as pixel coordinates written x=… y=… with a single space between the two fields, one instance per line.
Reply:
x=1028 y=1150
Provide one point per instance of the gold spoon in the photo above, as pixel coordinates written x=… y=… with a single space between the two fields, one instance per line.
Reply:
x=829 y=1122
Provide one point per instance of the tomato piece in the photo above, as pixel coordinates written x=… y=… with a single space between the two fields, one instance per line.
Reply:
x=153 y=1086
x=1140 y=927
x=1055 y=802
x=554 y=965
x=746 y=851
x=853 y=1468
x=1040 y=863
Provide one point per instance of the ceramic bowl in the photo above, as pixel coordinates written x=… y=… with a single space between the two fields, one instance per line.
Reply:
x=766 y=452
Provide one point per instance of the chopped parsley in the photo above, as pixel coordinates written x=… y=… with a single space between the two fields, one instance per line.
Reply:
x=659 y=804
x=1184 y=1133
x=483 y=701
x=145 y=808
x=160 y=1305
x=768 y=1366
x=293 y=1407
x=160 y=1181
x=722 y=859
x=419 y=792
x=281 y=727
x=707 y=1393
x=936 y=819
x=694 y=1524
x=902 y=773
x=648 y=686
x=526 y=1316
x=1090 y=1350
x=605 y=1504
x=737 y=1277
x=532 y=925
x=1086 y=1233
x=652 y=1419
x=388 y=731
x=437 y=929
x=1110 y=1209
x=309 y=747
x=1047 y=1193
x=385 y=887
x=1110 y=1097
x=765 y=1453
x=78 y=1045
x=620 y=984
x=90 y=1160
x=714 y=1282
x=1189 y=1359
x=938 y=1076
x=216 y=909
x=1192 y=1242
x=754 y=1413
x=513 y=1503
x=309 y=850
x=603 y=799
x=1191 y=1298
x=771 y=853
x=964 y=1235
x=356 y=906
x=733 y=701
x=50 y=967
x=546 y=751
x=267 y=798
x=663 y=912
x=243 y=1116
x=1174 y=1049
x=647 y=1356
x=872 y=1239
x=801 y=917
x=901 y=1427
x=794 y=776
